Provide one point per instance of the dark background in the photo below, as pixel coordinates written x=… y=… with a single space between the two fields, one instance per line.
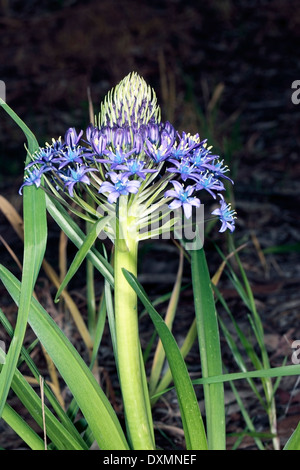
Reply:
x=221 y=68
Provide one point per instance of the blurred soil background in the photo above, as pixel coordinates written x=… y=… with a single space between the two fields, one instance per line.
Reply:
x=220 y=68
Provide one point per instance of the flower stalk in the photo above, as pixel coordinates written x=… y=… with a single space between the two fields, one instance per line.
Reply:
x=131 y=370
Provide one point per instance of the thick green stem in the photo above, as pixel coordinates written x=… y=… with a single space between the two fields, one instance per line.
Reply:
x=132 y=374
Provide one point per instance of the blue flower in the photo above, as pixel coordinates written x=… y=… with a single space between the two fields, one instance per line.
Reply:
x=182 y=197
x=209 y=182
x=43 y=157
x=98 y=141
x=74 y=176
x=160 y=151
x=72 y=138
x=120 y=186
x=33 y=177
x=116 y=157
x=200 y=156
x=183 y=148
x=226 y=215
x=70 y=155
x=185 y=168
x=135 y=167
x=219 y=170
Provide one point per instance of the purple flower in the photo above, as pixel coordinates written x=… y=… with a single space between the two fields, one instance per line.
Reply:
x=70 y=155
x=219 y=170
x=97 y=140
x=72 y=138
x=115 y=158
x=33 y=177
x=184 y=147
x=182 y=197
x=43 y=156
x=160 y=152
x=184 y=168
x=209 y=182
x=75 y=176
x=226 y=215
x=120 y=186
x=135 y=167
x=200 y=156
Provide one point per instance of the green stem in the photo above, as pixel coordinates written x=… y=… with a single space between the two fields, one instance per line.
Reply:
x=131 y=371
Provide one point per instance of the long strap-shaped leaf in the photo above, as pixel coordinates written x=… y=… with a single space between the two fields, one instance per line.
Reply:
x=27 y=434
x=80 y=380
x=209 y=345
x=33 y=403
x=58 y=434
x=35 y=238
x=189 y=408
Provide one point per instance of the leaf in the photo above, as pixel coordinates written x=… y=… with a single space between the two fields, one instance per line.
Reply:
x=80 y=380
x=294 y=441
x=23 y=430
x=209 y=345
x=35 y=239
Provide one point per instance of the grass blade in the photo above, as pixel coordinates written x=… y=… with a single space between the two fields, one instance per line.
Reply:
x=23 y=430
x=294 y=441
x=80 y=380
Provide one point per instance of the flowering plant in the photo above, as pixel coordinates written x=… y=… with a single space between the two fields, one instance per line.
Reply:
x=126 y=169
x=125 y=163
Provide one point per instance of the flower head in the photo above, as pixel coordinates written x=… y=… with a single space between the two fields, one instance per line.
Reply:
x=134 y=153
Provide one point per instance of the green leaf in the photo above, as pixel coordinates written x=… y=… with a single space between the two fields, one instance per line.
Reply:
x=210 y=353
x=49 y=395
x=281 y=371
x=80 y=380
x=294 y=441
x=190 y=413
x=60 y=436
x=35 y=239
x=23 y=430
